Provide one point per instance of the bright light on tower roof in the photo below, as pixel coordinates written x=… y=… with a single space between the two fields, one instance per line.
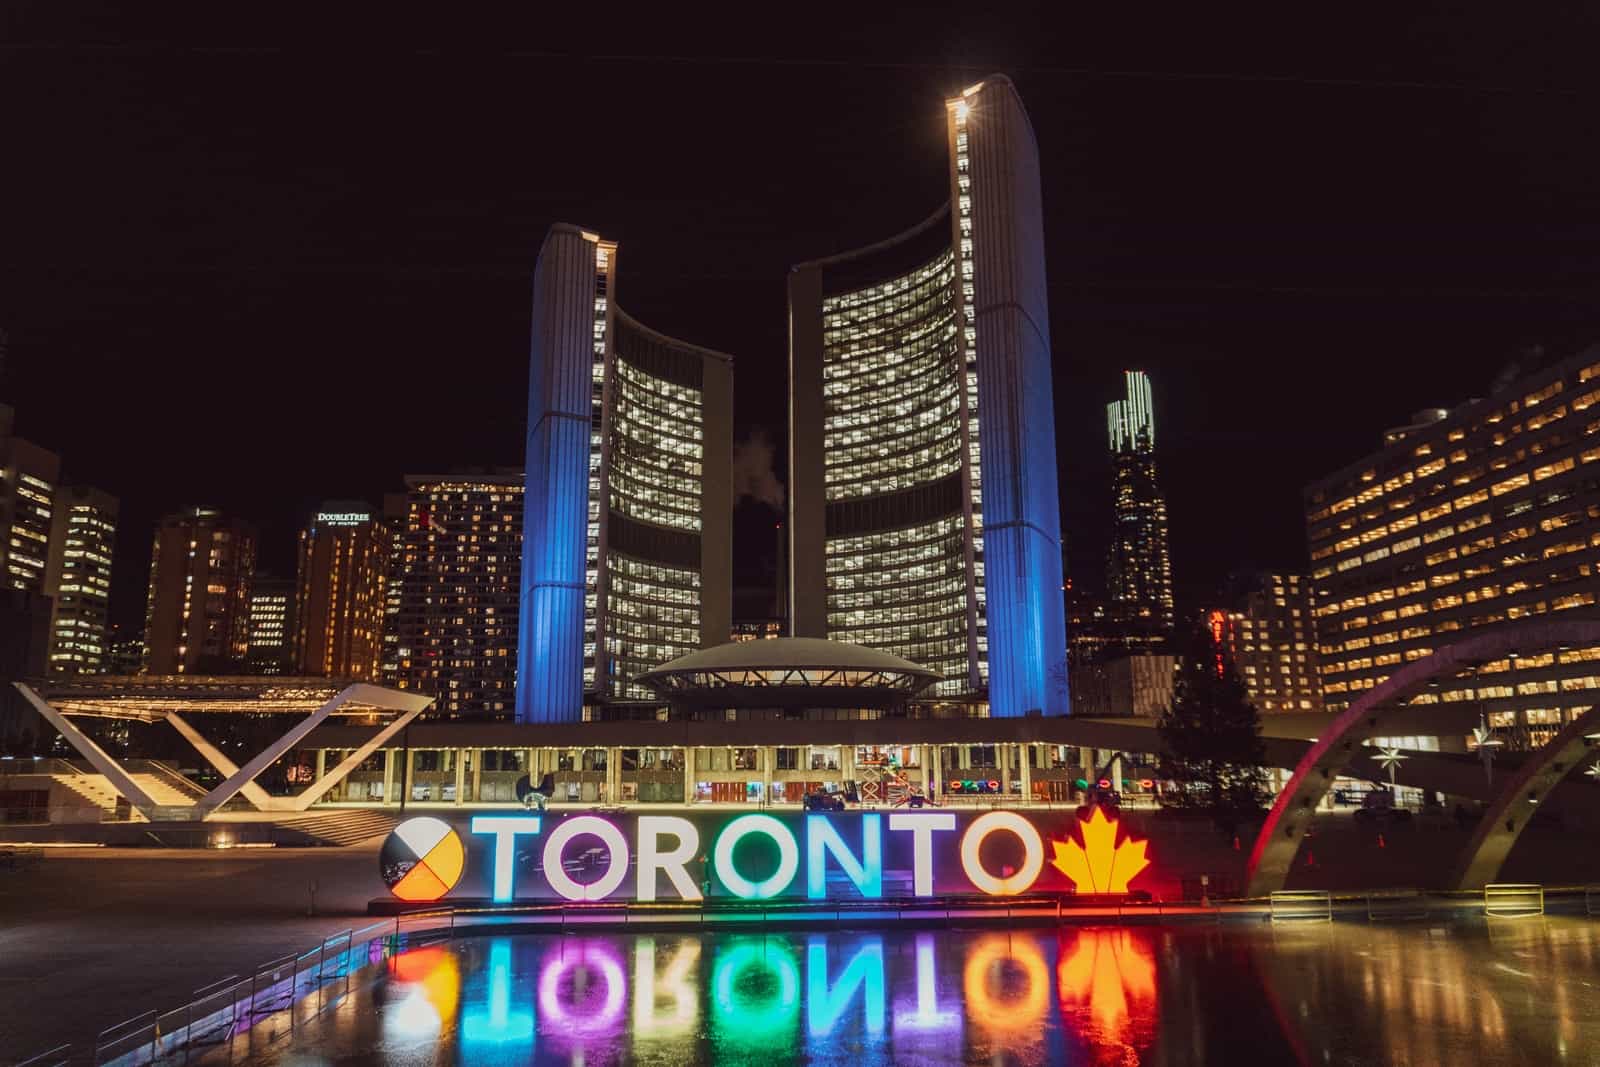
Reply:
x=962 y=110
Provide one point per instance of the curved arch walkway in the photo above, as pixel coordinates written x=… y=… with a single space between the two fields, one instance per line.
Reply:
x=1338 y=746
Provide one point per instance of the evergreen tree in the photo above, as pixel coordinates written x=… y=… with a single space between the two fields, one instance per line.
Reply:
x=1211 y=736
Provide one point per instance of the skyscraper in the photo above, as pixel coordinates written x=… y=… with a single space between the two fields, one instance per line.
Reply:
x=1267 y=627
x=29 y=476
x=456 y=624
x=197 y=616
x=341 y=591
x=83 y=536
x=924 y=514
x=1139 y=569
x=628 y=555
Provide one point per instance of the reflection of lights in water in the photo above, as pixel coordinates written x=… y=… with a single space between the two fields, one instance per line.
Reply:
x=431 y=982
x=592 y=959
x=675 y=981
x=825 y=1003
x=988 y=979
x=1108 y=977
x=927 y=1014
x=755 y=992
x=499 y=1024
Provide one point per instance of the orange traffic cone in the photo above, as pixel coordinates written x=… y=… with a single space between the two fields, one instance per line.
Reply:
x=1380 y=841
x=1236 y=842
x=1311 y=860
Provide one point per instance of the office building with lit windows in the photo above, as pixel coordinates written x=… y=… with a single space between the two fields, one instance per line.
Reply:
x=924 y=514
x=629 y=514
x=1267 y=628
x=29 y=477
x=83 y=536
x=1139 y=568
x=1483 y=516
x=341 y=593
x=459 y=555
x=270 y=649
x=197 y=615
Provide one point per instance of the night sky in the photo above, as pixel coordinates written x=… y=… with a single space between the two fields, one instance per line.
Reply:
x=262 y=265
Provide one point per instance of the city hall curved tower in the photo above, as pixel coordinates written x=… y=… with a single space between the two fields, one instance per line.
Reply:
x=627 y=529
x=924 y=514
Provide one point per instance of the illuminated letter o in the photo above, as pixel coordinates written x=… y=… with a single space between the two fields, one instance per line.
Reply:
x=616 y=846
x=788 y=856
x=1032 y=853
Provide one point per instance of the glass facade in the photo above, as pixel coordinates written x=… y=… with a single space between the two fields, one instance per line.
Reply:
x=894 y=444
x=653 y=452
x=82 y=539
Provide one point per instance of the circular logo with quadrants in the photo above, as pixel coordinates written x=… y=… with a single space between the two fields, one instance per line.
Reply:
x=422 y=860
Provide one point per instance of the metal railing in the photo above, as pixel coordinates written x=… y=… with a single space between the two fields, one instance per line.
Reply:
x=217 y=1013
x=1513 y=900
x=1301 y=905
x=1591 y=900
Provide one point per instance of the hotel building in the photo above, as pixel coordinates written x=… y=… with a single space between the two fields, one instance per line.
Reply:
x=1483 y=516
x=83 y=534
x=1268 y=631
x=197 y=616
x=459 y=553
x=341 y=593
x=1139 y=569
x=923 y=516
x=629 y=514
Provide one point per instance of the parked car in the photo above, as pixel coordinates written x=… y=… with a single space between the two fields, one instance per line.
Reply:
x=1378 y=807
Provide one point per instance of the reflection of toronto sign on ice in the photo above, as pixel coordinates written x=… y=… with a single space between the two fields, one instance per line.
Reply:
x=425 y=858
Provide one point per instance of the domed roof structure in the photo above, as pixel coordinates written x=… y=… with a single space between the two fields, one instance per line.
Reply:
x=788 y=672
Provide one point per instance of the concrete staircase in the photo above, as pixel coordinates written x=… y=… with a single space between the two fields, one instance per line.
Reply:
x=340 y=827
x=94 y=789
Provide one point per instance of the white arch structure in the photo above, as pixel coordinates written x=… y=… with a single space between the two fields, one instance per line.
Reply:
x=1339 y=744
x=155 y=699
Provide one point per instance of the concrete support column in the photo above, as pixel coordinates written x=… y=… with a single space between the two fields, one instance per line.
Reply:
x=930 y=769
x=1025 y=752
x=1005 y=753
x=477 y=775
x=688 y=776
x=964 y=757
x=389 y=761
x=408 y=764
x=769 y=761
x=322 y=764
x=613 y=776
x=1086 y=763
x=461 y=773
x=1116 y=774
x=847 y=762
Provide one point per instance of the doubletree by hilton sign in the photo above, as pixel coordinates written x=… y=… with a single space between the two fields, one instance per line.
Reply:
x=753 y=856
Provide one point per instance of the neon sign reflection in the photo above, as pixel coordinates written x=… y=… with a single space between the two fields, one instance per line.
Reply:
x=755 y=994
x=498 y=1024
x=582 y=990
x=1107 y=979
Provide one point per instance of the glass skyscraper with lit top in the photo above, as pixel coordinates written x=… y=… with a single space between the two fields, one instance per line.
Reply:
x=627 y=550
x=924 y=514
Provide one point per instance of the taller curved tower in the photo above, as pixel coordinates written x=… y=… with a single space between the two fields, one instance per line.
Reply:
x=924 y=513
x=628 y=527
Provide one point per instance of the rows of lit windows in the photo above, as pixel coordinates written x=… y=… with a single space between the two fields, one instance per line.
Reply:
x=652 y=615
x=1492 y=510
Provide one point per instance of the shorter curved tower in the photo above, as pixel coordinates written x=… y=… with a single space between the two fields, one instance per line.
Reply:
x=627 y=535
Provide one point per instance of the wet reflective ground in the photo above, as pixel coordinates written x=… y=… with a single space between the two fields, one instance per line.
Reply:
x=1523 y=991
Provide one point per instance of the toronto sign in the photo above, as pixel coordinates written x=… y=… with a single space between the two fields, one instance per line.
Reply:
x=758 y=856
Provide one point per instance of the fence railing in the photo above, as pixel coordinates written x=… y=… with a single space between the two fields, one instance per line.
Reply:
x=1513 y=900
x=216 y=1013
x=1301 y=905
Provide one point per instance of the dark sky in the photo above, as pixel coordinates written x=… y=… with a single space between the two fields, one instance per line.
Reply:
x=263 y=264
